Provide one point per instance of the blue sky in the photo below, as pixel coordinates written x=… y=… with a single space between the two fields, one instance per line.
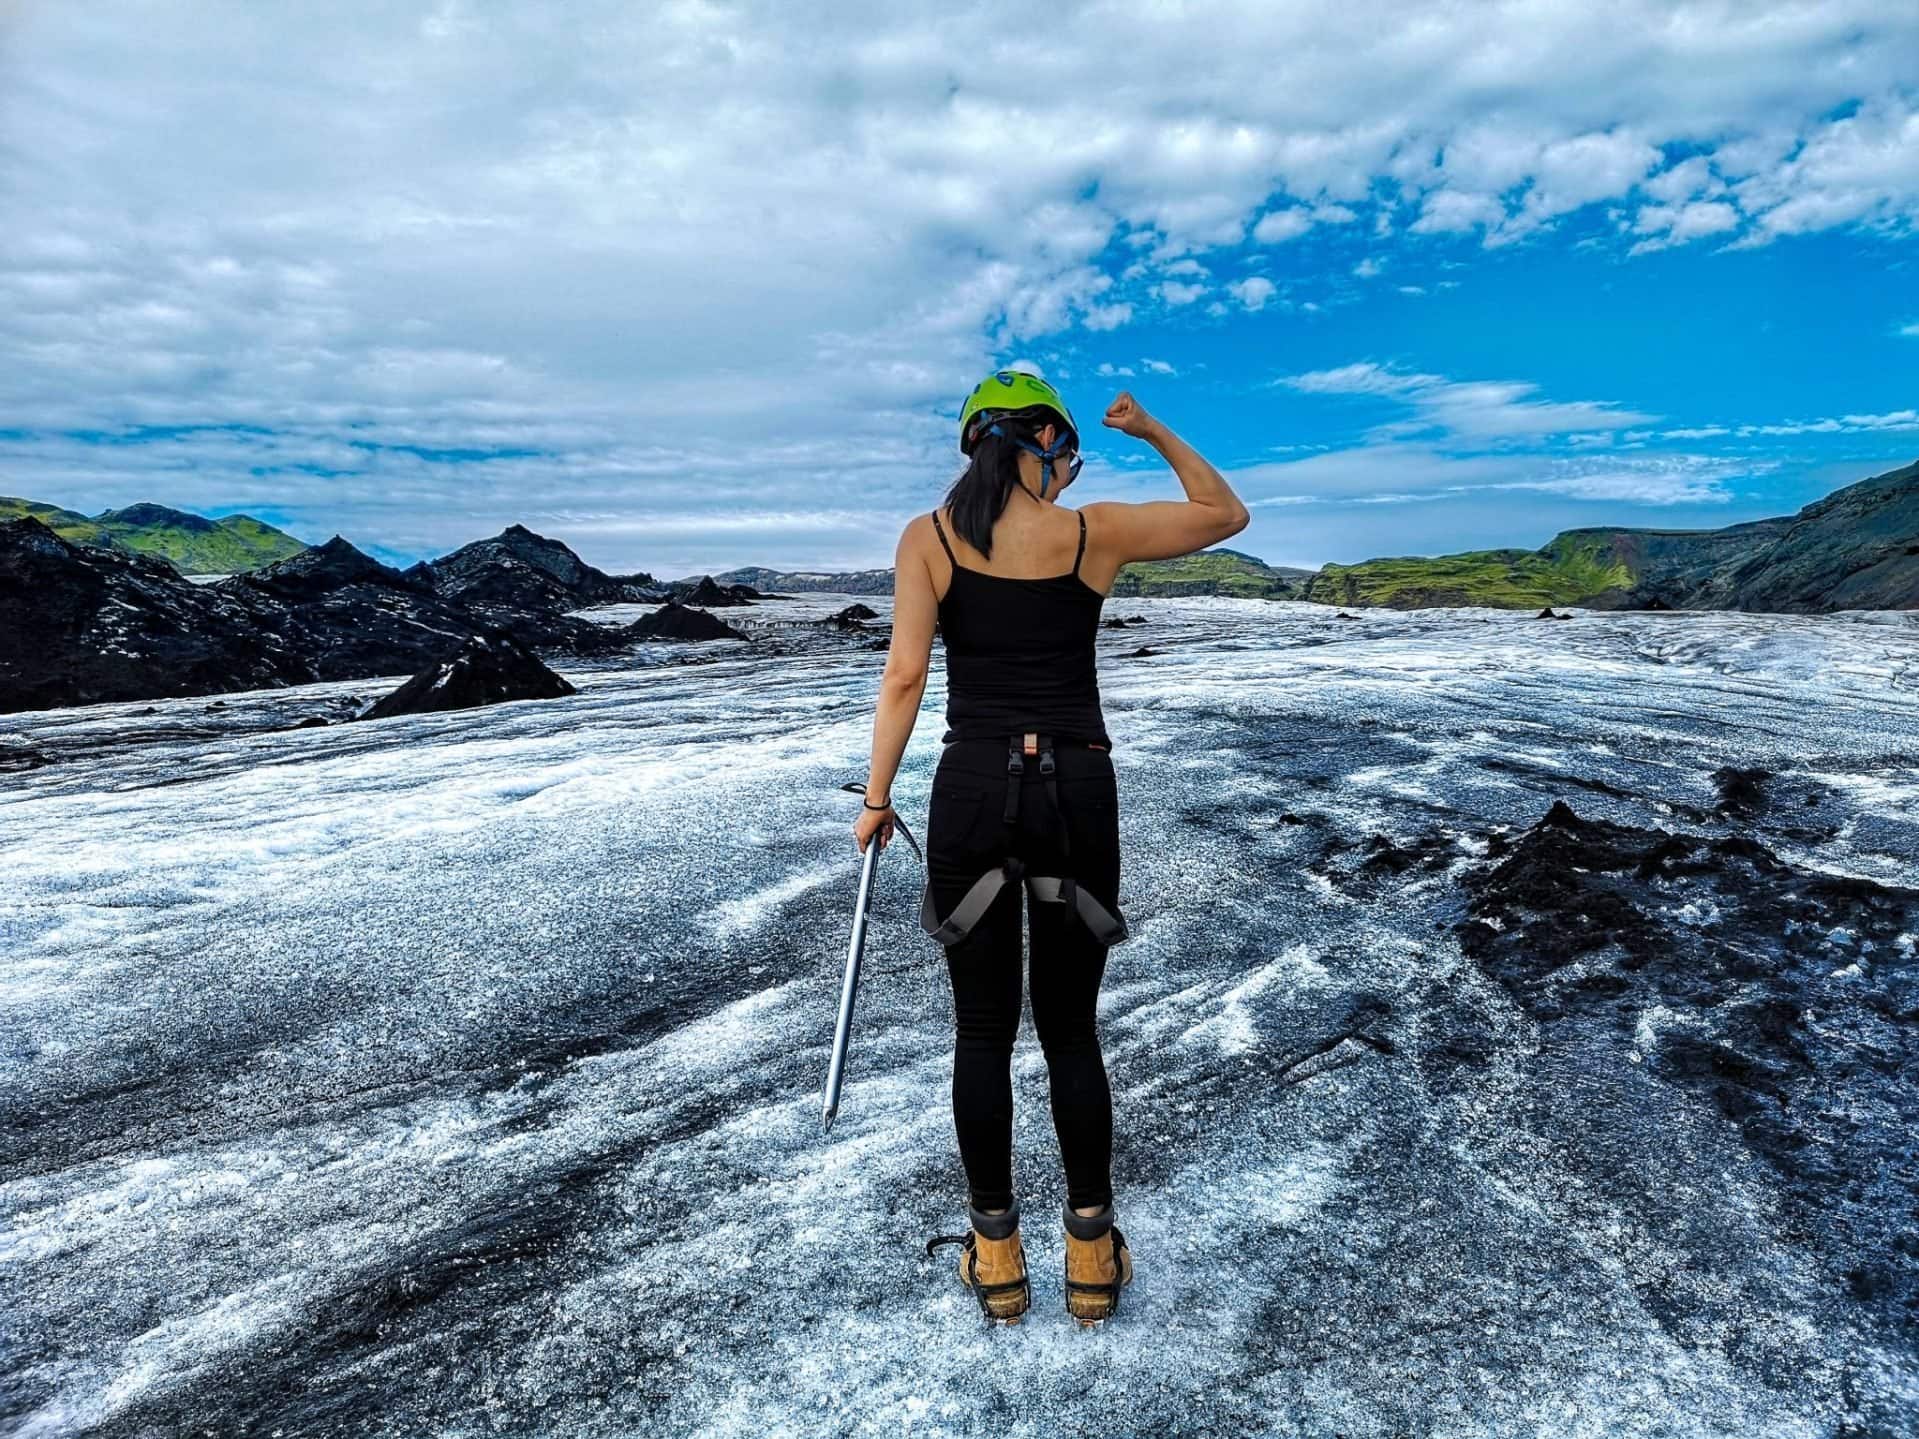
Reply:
x=698 y=284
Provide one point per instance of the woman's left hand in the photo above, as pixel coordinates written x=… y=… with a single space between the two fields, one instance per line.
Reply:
x=873 y=821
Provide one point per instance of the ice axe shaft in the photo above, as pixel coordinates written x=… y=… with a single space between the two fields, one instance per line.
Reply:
x=850 y=985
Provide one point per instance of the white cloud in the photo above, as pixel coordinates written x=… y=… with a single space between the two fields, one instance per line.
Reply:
x=1157 y=367
x=1368 y=267
x=1287 y=224
x=1677 y=224
x=1911 y=331
x=582 y=244
x=1253 y=292
x=1485 y=411
x=1399 y=473
x=1840 y=425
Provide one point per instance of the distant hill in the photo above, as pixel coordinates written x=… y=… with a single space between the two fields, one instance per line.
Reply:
x=1858 y=548
x=1209 y=572
x=838 y=582
x=1217 y=571
x=191 y=543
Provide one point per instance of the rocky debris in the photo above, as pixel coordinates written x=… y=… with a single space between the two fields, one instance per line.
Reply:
x=708 y=595
x=1547 y=614
x=16 y=754
x=517 y=572
x=675 y=621
x=489 y=669
x=1117 y=623
x=1342 y=615
x=1788 y=997
x=853 y=617
x=1741 y=791
x=1143 y=652
x=312 y=722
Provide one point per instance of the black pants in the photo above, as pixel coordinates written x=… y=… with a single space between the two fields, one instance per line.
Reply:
x=966 y=835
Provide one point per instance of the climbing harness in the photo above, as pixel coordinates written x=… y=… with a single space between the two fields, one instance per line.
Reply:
x=1107 y=926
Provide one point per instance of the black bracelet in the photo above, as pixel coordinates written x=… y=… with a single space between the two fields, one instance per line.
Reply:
x=870 y=805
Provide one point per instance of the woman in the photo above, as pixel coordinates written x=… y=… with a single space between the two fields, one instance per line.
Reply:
x=1024 y=800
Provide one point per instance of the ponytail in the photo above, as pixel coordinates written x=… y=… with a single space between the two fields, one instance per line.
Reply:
x=979 y=495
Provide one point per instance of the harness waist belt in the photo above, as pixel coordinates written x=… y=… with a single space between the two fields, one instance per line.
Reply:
x=1107 y=925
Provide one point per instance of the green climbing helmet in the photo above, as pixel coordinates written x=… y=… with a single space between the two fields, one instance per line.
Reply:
x=1003 y=392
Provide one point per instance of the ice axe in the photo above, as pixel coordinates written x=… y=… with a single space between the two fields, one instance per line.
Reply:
x=850 y=983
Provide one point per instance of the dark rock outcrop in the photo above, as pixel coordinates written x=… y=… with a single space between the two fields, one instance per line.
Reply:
x=1858 y=548
x=853 y=617
x=83 y=624
x=517 y=571
x=675 y=621
x=709 y=595
x=488 y=669
x=345 y=615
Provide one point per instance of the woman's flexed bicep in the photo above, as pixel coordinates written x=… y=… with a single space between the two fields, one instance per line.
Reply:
x=1164 y=529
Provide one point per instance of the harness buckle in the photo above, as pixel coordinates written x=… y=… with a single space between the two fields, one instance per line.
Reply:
x=1032 y=744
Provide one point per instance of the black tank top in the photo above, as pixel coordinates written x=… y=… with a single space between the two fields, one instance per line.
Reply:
x=1019 y=653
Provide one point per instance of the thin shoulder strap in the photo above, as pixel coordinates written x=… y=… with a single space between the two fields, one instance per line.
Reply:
x=943 y=545
x=1082 y=540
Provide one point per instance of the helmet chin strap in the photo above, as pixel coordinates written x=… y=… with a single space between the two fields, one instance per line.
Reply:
x=1046 y=457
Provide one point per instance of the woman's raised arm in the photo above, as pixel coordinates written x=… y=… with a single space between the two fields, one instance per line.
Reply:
x=1164 y=529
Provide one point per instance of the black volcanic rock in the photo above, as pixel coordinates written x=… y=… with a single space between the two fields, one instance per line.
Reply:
x=488 y=669
x=83 y=624
x=348 y=616
x=709 y=595
x=324 y=569
x=675 y=621
x=518 y=571
x=853 y=617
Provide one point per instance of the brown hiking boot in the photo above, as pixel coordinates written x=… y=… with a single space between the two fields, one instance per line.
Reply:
x=992 y=1263
x=1098 y=1265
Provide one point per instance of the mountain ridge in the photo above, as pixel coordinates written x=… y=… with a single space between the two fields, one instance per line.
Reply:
x=193 y=544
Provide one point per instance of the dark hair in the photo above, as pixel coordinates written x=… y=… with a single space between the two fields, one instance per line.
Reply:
x=980 y=494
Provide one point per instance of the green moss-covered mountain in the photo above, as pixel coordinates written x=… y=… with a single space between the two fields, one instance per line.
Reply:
x=1858 y=548
x=1218 y=571
x=192 y=544
x=1570 y=570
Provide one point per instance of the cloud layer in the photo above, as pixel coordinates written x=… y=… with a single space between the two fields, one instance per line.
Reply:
x=413 y=271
